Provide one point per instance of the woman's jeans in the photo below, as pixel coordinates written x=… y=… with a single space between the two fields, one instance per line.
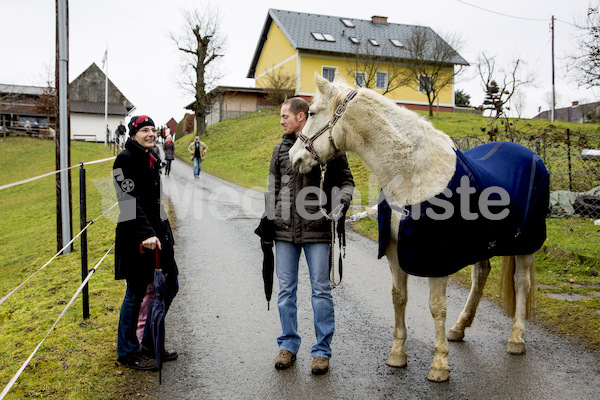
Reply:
x=286 y=263
x=197 y=165
x=127 y=341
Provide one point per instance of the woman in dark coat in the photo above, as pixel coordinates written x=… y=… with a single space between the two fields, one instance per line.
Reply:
x=169 y=149
x=143 y=226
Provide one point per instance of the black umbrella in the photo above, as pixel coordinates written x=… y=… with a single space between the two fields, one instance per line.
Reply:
x=157 y=314
x=266 y=231
x=268 y=268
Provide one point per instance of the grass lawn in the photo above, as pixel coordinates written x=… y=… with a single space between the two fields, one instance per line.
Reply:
x=76 y=361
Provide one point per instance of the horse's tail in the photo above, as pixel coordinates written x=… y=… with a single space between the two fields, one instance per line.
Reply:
x=507 y=287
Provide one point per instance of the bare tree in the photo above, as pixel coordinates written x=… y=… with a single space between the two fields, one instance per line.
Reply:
x=201 y=44
x=430 y=61
x=368 y=61
x=518 y=102
x=500 y=85
x=585 y=63
x=280 y=85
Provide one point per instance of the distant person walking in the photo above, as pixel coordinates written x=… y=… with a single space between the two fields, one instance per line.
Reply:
x=121 y=130
x=169 y=149
x=198 y=151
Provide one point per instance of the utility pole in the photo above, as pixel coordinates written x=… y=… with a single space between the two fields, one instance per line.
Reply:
x=63 y=150
x=553 y=90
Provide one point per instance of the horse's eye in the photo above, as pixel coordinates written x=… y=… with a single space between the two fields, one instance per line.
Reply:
x=311 y=114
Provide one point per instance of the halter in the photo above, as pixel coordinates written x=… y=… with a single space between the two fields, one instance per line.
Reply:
x=308 y=141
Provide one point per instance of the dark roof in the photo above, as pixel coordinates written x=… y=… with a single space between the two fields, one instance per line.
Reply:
x=97 y=108
x=90 y=85
x=20 y=89
x=298 y=28
x=232 y=89
x=573 y=113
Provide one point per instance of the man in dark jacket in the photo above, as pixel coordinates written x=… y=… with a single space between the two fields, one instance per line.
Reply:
x=297 y=223
x=121 y=134
x=143 y=226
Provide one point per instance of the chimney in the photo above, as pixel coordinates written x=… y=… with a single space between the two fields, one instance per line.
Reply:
x=379 y=20
x=575 y=104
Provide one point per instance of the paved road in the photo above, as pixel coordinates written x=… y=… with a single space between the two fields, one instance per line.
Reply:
x=225 y=336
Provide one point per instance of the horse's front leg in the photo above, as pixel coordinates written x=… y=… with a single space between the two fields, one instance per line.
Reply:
x=522 y=282
x=479 y=275
x=398 y=354
x=440 y=370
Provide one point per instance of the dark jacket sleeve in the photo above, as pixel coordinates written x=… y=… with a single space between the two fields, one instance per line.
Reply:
x=130 y=204
x=342 y=178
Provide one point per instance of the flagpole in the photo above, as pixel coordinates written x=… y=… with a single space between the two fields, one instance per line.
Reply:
x=106 y=97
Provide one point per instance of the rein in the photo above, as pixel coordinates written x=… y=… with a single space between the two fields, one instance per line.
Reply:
x=308 y=141
x=333 y=217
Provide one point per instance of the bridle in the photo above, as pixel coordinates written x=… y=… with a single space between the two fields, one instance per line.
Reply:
x=308 y=141
x=337 y=212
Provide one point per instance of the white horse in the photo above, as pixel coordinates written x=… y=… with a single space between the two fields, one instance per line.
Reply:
x=413 y=162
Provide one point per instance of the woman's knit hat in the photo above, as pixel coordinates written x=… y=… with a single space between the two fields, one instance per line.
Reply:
x=138 y=123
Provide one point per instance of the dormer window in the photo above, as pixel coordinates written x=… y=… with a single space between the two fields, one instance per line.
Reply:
x=396 y=43
x=354 y=40
x=374 y=42
x=347 y=22
x=318 y=36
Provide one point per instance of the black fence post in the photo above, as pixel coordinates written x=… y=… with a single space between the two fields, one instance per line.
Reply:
x=84 y=258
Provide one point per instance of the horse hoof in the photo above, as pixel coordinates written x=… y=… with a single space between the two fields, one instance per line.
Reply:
x=455 y=335
x=516 y=348
x=439 y=375
x=397 y=361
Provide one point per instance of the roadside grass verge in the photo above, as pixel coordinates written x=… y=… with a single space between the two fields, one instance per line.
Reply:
x=77 y=360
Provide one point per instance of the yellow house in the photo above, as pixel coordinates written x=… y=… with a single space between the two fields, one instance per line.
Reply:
x=295 y=45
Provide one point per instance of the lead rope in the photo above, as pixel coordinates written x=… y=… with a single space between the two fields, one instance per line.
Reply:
x=333 y=216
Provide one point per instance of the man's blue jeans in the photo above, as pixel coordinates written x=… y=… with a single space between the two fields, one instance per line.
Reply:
x=197 y=165
x=286 y=265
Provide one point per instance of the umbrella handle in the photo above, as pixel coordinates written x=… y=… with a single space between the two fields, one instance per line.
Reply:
x=156 y=254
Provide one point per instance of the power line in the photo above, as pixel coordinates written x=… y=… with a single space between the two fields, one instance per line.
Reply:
x=504 y=15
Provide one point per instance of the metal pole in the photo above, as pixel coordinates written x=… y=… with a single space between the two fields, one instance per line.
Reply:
x=106 y=97
x=84 y=252
x=63 y=116
x=553 y=89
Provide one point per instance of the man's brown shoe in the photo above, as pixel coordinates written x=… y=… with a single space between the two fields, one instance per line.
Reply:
x=320 y=365
x=284 y=359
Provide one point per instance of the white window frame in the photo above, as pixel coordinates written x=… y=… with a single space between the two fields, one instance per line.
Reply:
x=318 y=36
x=354 y=40
x=328 y=37
x=429 y=77
x=347 y=22
x=396 y=42
x=386 y=80
x=356 y=78
x=326 y=67
x=374 y=42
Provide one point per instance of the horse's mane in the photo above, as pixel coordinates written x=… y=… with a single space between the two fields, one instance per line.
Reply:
x=418 y=159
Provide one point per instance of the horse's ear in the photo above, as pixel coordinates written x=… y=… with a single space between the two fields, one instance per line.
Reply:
x=322 y=83
x=340 y=78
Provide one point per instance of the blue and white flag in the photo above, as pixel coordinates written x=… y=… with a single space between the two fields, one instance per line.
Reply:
x=104 y=58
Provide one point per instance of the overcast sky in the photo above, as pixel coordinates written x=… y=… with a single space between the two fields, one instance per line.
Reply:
x=143 y=61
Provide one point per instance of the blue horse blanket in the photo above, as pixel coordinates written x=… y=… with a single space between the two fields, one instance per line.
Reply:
x=495 y=204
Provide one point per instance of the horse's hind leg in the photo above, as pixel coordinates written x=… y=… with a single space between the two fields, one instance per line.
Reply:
x=522 y=282
x=398 y=355
x=479 y=274
x=440 y=370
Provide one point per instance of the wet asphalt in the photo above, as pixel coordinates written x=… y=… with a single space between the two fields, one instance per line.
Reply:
x=226 y=337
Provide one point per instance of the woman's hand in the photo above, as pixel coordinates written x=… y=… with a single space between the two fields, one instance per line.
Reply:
x=152 y=243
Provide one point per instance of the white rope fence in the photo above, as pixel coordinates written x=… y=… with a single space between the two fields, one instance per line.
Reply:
x=9 y=185
x=16 y=376
x=57 y=254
